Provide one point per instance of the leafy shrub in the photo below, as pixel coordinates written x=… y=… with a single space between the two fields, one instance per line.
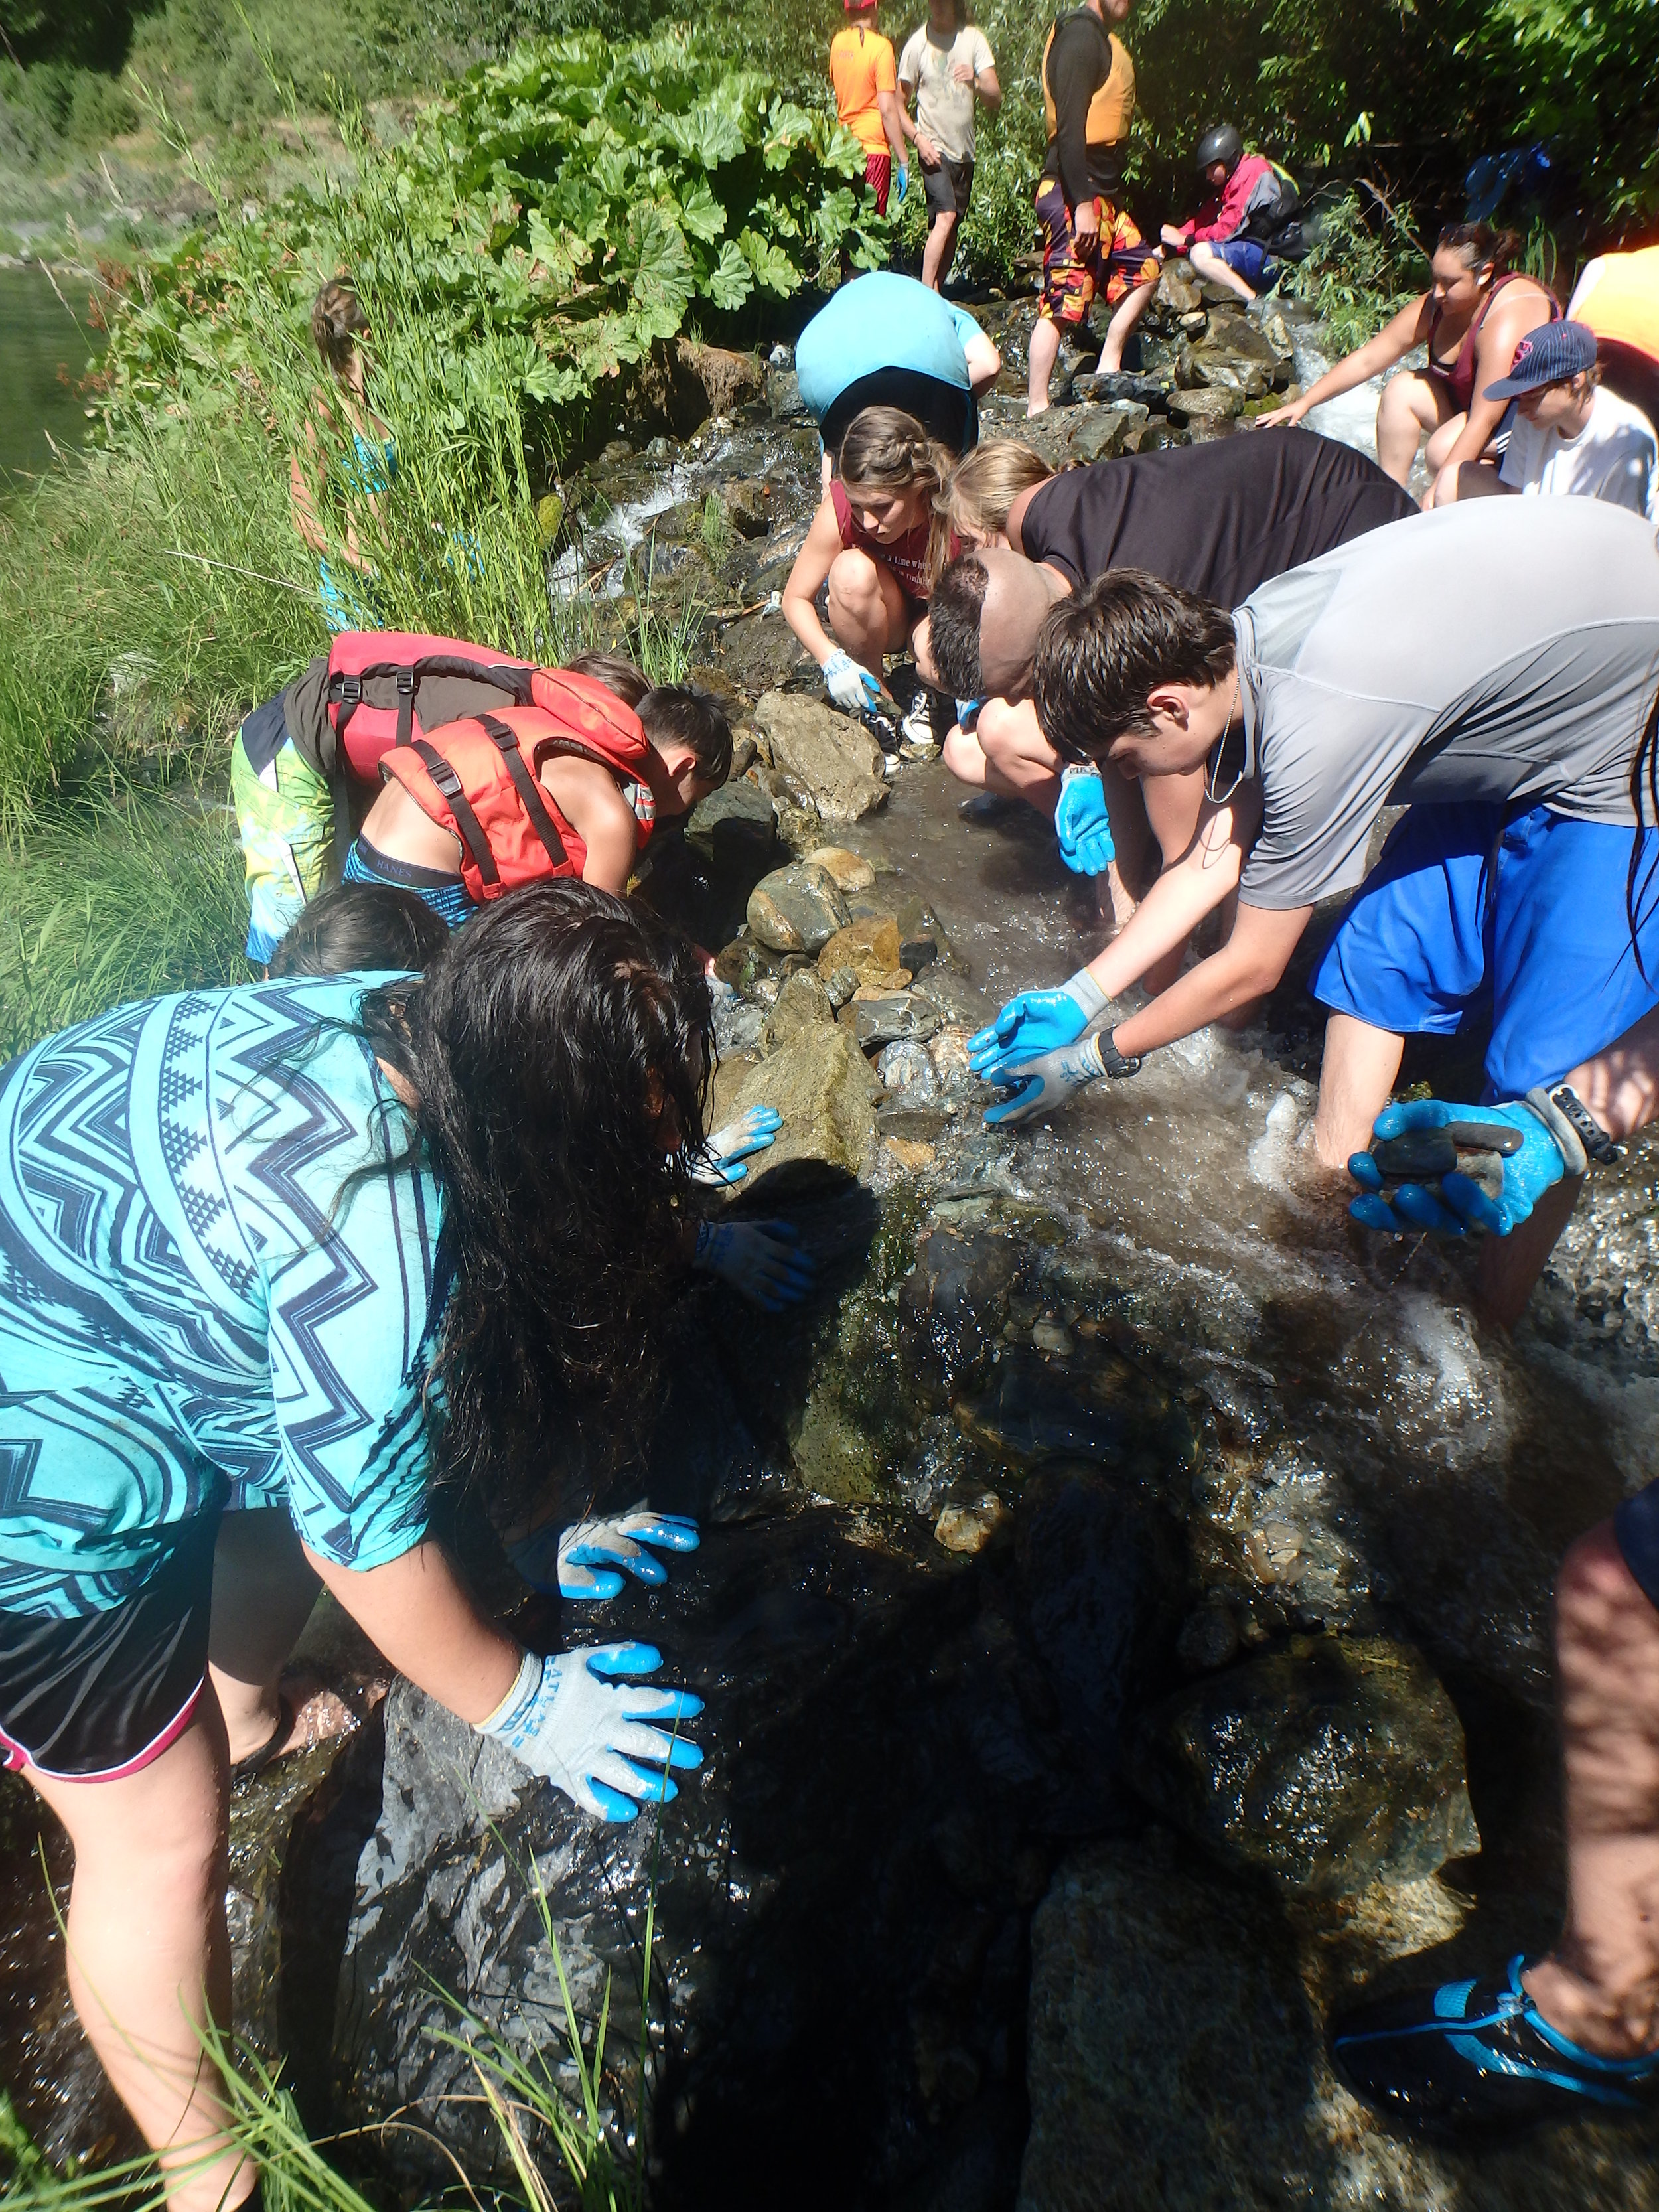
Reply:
x=1357 y=274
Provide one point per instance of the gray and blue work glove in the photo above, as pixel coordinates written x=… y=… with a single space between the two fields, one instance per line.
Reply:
x=1036 y=1022
x=1039 y=1085
x=850 y=684
x=586 y=1561
x=762 y=1260
x=1080 y=821
x=1451 y=1169
x=720 y=1161
x=589 y=1735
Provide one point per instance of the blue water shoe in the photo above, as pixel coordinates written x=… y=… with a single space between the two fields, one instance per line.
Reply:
x=1478 y=2057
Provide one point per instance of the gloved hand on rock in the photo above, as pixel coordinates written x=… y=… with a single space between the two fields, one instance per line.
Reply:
x=586 y=1560
x=721 y=1159
x=590 y=1736
x=1036 y=1022
x=851 y=687
x=1081 y=824
x=762 y=1260
x=1527 y=1145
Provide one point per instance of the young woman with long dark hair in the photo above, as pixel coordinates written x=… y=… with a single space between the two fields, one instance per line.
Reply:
x=310 y=1237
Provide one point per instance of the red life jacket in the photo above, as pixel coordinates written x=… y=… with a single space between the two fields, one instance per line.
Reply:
x=479 y=779
x=359 y=656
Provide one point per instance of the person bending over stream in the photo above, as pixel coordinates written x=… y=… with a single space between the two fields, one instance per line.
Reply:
x=1492 y=667
x=260 y=1235
x=1471 y=319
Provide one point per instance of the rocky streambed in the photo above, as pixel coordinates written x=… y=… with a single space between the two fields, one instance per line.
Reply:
x=1122 y=1610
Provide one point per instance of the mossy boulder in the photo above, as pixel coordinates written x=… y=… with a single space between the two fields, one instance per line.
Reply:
x=820 y=1083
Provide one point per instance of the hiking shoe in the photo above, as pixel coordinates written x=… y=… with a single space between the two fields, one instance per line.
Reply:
x=1476 y=2057
x=916 y=740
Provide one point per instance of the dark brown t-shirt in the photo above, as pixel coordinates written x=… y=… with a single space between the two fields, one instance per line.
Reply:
x=1220 y=519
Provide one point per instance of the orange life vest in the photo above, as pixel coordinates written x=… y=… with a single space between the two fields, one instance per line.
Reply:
x=480 y=779
x=1623 y=303
x=1112 y=109
x=389 y=666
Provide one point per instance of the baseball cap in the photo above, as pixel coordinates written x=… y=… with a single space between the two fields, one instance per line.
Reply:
x=1549 y=355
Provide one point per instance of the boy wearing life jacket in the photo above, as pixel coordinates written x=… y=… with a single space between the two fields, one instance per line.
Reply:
x=569 y=784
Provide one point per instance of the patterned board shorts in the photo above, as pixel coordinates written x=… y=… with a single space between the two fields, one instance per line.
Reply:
x=286 y=822
x=1071 y=280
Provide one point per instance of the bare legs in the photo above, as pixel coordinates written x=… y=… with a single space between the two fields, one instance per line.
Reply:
x=867 y=609
x=1128 y=313
x=1356 y=1077
x=1600 y=1985
x=262 y=1593
x=1044 y=353
x=1209 y=263
x=149 y=1954
x=939 y=250
x=1412 y=407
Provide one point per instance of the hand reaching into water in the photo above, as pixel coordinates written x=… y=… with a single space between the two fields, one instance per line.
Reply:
x=1286 y=416
x=762 y=1260
x=569 y=1722
x=1035 y=1022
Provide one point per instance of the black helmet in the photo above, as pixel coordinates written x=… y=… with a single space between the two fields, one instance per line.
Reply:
x=1221 y=144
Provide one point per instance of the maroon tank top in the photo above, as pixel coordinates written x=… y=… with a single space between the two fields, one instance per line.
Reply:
x=906 y=557
x=1459 y=377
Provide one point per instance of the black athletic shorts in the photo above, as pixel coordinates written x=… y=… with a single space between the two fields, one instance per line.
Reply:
x=97 y=1697
x=949 y=186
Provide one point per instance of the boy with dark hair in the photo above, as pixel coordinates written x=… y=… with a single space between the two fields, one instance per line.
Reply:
x=1493 y=669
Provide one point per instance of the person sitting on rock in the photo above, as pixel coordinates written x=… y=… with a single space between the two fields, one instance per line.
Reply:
x=305 y=764
x=1091 y=245
x=876 y=543
x=571 y=785
x=1519 y=737
x=1573 y=2034
x=1219 y=519
x=1222 y=241
x=1572 y=437
x=1471 y=319
x=304 y=1213
x=886 y=340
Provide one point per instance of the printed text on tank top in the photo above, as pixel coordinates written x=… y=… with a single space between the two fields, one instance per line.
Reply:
x=906 y=557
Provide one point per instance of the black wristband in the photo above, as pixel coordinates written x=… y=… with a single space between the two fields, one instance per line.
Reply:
x=1112 y=1061
x=1599 y=1149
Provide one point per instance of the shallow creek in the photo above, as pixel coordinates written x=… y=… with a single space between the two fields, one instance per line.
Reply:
x=1123 y=1612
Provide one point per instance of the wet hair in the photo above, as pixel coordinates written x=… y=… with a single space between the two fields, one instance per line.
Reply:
x=616 y=674
x=1101 y=653
x=953 y=616
x=359 y=926
x=886 y=450
x=986 y=482
x=680 y=715
x=545 y=1044
x=338 y=321
x=1480 y=245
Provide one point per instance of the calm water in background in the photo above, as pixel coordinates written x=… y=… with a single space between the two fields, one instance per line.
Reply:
x=44 y=353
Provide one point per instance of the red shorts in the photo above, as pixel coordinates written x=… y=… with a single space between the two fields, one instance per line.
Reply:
x=878 y=176
x=1110 y=266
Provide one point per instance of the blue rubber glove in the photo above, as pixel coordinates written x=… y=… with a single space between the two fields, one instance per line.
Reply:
x=1081 y=823
x=1041 y=1084
x=1035 y=1022
x=1550 y=1149
x=722 y=1156
x=584 y=1560
x=967 y=713
x=851 y=685
x=566 y=1721
x=902 y=188
x=762 y=1260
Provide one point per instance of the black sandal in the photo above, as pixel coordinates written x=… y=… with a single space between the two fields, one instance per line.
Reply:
x=244 y=1770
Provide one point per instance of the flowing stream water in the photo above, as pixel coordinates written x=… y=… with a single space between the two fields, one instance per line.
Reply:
x=911 y=1903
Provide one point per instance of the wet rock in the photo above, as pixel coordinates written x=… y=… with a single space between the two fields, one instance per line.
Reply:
x=750 y=506
x=851 y=873
x=1208 y=405
x=739 y=1022
x=681 y=383
x=1208 y=1638
x=907 y=1073
x=1176 y=288
x=825 y=1088
x=912 y=1154
x=1031 y=1414
x=1125 y=386
x=952 y=1306
x=1210 y=366
x=799 y=828
x=1327 y=1767
x=834 y=756
x=733 y=829
x=1101 y=1572
x=869 y=947
x=803 y=1003
x=797 y=909
x=745 y=963
x=948 y=1051
x=783 y=394
x=958 y=1002
x=1235 y=333
x=919 y=927
x=885 y=1017
x=1087 y=432
x=841 y=983
x=968 y=1524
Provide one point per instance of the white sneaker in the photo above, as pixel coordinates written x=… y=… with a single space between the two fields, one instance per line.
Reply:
x=916 y=730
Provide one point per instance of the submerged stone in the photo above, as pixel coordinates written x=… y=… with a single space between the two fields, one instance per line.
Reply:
x=1327 y=1765
x=797 y=909
x=907 y=1073
x=891 y=1016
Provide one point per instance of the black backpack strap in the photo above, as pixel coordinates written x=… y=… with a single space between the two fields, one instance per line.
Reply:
x=466 y=821
x=534 y=806
x=405 y=706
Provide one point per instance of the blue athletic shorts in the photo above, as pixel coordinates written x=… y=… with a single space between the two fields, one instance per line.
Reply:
x=1244 y=258
x=1636 y=1531
x=1464 y=913
x=447 y=895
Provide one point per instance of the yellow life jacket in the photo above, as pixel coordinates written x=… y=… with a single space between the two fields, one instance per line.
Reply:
x=1113 y=107
x=1623 y=304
